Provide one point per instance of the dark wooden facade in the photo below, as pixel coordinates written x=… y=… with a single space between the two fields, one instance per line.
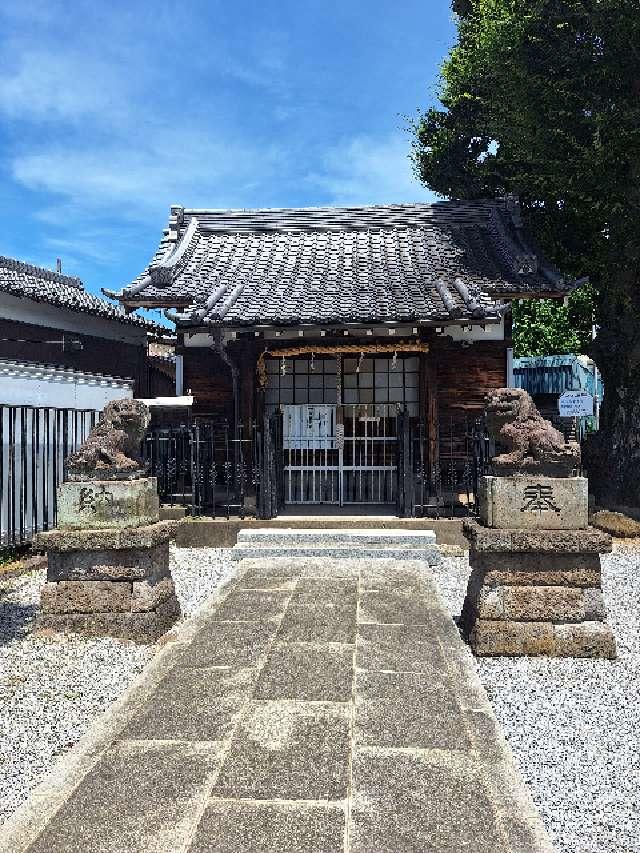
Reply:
x=455 y=377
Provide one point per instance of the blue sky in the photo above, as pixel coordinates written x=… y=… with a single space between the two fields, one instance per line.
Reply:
x=110 y=112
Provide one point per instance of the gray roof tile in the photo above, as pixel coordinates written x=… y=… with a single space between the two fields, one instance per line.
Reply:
x=407 y=263
x=64 y=291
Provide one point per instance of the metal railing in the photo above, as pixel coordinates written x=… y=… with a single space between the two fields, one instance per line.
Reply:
x=207 y=466
x=34 y=445
x=448 y=486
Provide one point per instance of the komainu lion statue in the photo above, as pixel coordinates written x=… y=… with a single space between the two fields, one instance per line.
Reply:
x=531 y=444
x=111 y=451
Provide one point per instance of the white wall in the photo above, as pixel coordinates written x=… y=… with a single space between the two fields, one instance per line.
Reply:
x=52 y=317
x=39 y=385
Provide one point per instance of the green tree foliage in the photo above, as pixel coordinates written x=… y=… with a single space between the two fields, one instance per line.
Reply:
x=547 y=327
x=542 y=98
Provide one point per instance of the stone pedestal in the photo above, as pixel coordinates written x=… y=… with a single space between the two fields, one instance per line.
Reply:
x=109 y=582
x=108 y=562
x=530 y=502
x=98 y=504
x=536 y=592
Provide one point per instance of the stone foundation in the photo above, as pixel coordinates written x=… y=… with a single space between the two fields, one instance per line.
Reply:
x=114 y=582
x=536 y=592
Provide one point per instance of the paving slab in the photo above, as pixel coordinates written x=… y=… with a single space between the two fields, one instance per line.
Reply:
x=398 y=608
x=421 y=803
x=288 y=751
x=307 y=672
x=310 y=623
x=252 y=605
x=139 y=798
x=408 y=710
x=317 y=706
x=232 y=827
x=193 y=704
x=398 y=648
x=229 y=644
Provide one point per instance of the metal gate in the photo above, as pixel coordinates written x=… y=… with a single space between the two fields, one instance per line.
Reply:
x=340 y=454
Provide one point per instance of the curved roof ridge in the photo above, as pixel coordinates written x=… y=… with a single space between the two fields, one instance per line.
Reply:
x=162 y=270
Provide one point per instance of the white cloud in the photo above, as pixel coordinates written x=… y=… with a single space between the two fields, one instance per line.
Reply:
x=108 y=126
x=370 y=170
x=147 y=172
x=53 y=86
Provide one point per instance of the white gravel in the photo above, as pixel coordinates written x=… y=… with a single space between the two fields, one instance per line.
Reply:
x=574 y=725
x=51 y=690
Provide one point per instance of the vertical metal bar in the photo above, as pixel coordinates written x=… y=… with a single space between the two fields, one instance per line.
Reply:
x=213 y=470
x=11 y=526
x=2 y=472
x=65 y=440
x=56 y=451
x=227 y=466
x=35 y=450
x=23 y=474
x=45 y=470
x=241 y=496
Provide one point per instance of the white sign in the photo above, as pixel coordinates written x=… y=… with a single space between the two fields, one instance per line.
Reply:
x=575 y=404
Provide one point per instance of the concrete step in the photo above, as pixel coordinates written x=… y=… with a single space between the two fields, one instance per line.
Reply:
x=287 y=565
x=272 y=537
x=244 y=551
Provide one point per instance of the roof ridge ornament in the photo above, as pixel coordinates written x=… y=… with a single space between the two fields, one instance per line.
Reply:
x=163 y=271
x=447 y=298
x=477 y=310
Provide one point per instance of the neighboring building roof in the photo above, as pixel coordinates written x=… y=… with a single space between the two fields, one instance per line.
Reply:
x=64 y=291
x=421 y=263
x=554 y=374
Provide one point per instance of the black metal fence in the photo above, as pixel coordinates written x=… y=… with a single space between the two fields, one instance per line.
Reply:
x=208 y=467
x=439 y=475
x=34 y=445
x=213 y=470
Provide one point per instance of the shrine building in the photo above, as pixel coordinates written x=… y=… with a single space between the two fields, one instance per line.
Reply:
x=366 y=337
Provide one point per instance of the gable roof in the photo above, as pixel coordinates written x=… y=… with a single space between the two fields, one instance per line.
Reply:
x=421 y=263
x=63 y=291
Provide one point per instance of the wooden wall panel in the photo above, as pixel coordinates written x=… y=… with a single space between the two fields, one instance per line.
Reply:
x=207 y=377
x=465 y=375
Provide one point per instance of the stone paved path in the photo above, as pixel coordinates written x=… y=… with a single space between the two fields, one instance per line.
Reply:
x=321 y=706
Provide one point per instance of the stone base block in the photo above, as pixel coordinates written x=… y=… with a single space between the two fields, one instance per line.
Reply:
x=104 y=539
x=97 y=504
x=141 y=627
x=117 y=564
x=96 y=585
x=548 y=503
x=541 y=596
x=508 y=638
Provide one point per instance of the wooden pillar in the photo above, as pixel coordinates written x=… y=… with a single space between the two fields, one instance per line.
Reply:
x=431 y=410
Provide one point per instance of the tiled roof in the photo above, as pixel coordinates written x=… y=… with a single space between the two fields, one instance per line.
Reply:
x=392 y=263
x=64 y=291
